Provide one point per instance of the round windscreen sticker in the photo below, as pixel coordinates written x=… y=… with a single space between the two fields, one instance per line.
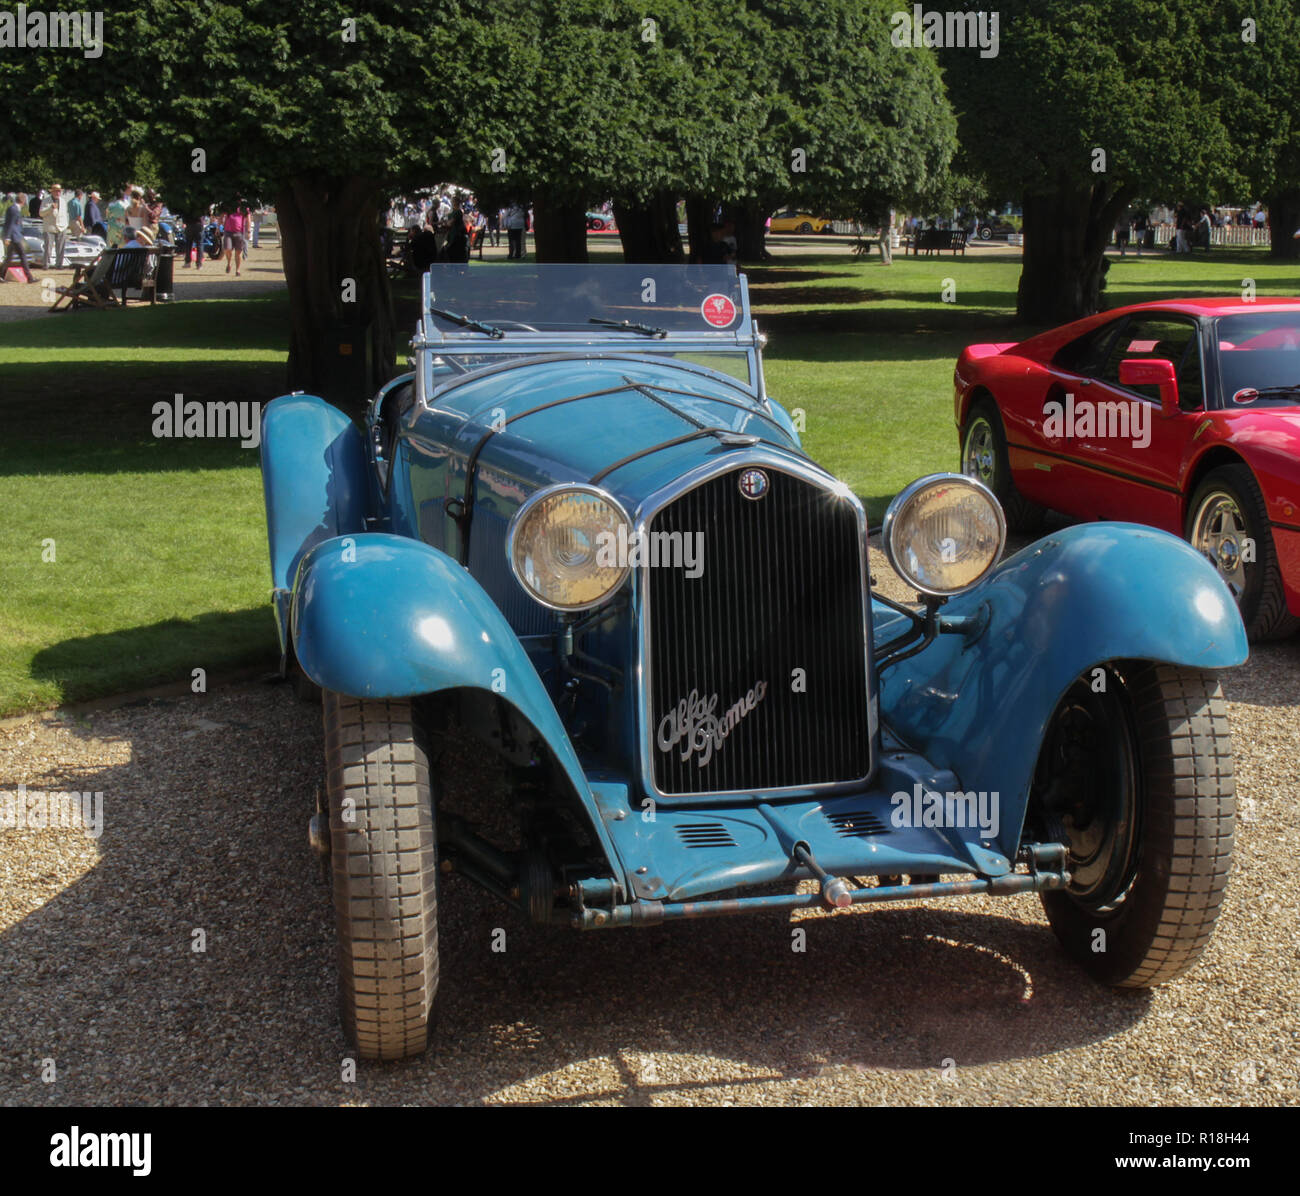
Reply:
x=719 y=311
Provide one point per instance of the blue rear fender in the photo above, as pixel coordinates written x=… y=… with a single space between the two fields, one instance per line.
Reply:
x=1075 y=600
x=381 y=616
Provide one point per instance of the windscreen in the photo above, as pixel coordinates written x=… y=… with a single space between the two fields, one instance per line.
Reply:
x=568 y=297
x=1259 y=358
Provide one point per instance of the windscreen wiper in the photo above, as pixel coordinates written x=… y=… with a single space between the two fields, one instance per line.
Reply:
x=628 y=326
x=1261 y=391
x=465 y=322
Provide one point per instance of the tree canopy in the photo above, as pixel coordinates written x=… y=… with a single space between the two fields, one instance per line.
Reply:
x=1088 y=105
x=327 y=108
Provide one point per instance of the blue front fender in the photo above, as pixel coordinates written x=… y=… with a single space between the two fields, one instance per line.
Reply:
x=314 y=480
x=1083 y=596
x=382 y=616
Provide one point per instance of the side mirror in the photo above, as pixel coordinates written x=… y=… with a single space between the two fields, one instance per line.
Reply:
x=1153 y=371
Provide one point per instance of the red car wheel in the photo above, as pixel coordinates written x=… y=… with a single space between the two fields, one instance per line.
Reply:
x=1227 y=522
x=984 y=457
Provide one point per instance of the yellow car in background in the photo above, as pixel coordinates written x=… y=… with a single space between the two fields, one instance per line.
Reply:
x=791 y=221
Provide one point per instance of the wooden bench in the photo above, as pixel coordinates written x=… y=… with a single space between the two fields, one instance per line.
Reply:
x=931 y=240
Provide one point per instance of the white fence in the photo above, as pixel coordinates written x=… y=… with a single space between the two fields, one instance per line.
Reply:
x=1229 y=234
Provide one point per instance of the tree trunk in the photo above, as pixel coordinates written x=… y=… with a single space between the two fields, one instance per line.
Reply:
x=750 y=218
x=341 y=328
x=1064 y=264
x=699 y=219
x=559 y=231
x=1283 y=221
x=648 y=229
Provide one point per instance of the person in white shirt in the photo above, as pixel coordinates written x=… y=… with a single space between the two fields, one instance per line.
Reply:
x=54 y=217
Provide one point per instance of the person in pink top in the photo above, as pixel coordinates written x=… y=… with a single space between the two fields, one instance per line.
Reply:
x=234 y=232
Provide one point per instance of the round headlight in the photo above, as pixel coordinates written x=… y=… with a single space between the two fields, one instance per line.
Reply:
x=566 y=548
x=943 y=533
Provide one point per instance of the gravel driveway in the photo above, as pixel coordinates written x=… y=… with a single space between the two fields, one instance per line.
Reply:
x=206 y=800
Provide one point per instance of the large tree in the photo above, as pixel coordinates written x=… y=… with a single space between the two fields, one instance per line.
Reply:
x=322 y=107
x=327 y=108
x=1087 y=105
x=1260 y=51
x=850 y=121
x=605 y=100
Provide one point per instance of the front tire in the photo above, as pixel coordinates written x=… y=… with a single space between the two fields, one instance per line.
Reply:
x=384 y=866
x=984 y=457
x=1226 y=511
x=1137 y=780
x=805 y=227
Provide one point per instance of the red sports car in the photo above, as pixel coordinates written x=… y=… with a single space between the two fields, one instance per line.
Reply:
x=1184 y=415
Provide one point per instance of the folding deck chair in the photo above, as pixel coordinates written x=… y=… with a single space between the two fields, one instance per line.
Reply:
x=89 y=286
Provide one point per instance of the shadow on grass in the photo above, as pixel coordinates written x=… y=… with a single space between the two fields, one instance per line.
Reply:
x=253 y=322
x=973 y=320
x=876 y=505
x=100 y=419
x=1201 y=288
x=139 y=657
x=876 y=336
x=765 y=295
x=762 y=275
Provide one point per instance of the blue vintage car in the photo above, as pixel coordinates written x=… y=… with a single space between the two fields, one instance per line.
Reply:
x=581 y=532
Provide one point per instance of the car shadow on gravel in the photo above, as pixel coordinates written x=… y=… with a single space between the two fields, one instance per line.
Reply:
x=191 y=959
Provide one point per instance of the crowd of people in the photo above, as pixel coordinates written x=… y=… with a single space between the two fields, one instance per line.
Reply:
x=1189 y=227
x=450 y=225
x=136 y=217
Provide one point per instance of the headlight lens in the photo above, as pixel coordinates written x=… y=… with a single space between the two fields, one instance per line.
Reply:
x=944 y=533
x=565 y=546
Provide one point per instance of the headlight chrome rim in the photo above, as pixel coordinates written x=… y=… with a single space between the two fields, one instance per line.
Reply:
x=520 y=519
x=900 y=504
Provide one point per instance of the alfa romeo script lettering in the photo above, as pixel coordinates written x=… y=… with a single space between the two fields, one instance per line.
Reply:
x=693 y=725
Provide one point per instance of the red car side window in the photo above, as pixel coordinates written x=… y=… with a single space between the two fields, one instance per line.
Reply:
x=1087 y=354
x=1160 y=338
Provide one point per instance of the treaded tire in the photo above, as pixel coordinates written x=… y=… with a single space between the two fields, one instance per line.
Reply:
x=384 y=865
x=1263 y=601
x=1187 y=815
x=304 y=688
x=1022 y=515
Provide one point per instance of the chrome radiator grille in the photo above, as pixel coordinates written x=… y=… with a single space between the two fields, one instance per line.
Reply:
x=757 y=673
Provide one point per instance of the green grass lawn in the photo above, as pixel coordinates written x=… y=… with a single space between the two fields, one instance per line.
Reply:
x=160 y=562
x=159 y=549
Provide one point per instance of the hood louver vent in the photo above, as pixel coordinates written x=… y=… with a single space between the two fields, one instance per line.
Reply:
x=856 y=824
x=705 y=834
